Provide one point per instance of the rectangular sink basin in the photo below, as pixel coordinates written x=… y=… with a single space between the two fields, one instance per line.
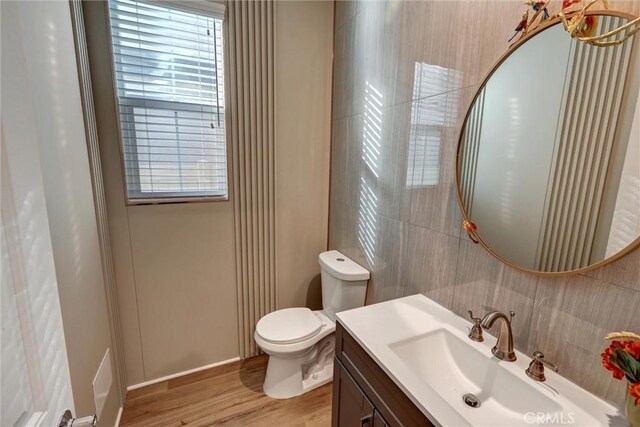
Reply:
x=454 y=368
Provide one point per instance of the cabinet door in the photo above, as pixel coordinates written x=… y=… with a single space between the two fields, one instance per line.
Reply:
x=353 y=408
x=378 y=421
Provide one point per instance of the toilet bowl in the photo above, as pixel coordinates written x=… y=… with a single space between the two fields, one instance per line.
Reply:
x=300 y=342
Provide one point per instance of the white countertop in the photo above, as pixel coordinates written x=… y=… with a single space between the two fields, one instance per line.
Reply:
x=380 y=327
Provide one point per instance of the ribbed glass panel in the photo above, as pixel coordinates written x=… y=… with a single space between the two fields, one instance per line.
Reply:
x=168 y=66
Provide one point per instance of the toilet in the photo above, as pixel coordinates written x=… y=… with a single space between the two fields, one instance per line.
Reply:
x=300 y=342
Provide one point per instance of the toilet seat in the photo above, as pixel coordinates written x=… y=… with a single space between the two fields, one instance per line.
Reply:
x=288 y=326
x=297 y=348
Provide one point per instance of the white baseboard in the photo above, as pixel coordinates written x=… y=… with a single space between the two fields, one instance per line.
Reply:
x=117 y=424
x=180 y=374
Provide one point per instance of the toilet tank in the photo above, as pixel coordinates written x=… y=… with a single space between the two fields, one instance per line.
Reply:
x=344 y=283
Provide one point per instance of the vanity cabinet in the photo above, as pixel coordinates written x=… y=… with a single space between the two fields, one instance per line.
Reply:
x=363 y=394
x=354 y=408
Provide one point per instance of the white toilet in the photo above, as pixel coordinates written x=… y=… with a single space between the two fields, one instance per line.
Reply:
x=300 y=342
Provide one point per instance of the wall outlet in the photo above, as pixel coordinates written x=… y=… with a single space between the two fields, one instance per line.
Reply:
x=102 y=383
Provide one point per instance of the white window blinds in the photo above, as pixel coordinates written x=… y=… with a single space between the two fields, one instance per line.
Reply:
x=168 y=67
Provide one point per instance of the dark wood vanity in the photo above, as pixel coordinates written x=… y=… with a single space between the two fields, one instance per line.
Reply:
x=363 y=394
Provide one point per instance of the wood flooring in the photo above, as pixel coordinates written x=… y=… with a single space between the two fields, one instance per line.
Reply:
x=229 y=395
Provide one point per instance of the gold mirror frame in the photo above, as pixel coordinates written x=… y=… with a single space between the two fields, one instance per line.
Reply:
x=468 y=225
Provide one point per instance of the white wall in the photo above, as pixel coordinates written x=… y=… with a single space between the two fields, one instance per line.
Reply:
x=55 y=96
x=34 y=368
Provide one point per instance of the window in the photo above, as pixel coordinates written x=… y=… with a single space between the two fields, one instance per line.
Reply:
x=169 y=78
x=431 y=116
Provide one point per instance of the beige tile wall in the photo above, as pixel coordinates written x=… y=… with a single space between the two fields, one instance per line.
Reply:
x=413 y=237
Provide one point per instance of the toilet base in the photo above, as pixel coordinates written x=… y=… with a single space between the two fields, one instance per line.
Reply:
x=292 y=377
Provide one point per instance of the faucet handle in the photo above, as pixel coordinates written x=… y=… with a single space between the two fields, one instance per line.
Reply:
x=537 y=355
x=535 y=371
x=473 y=319
x=476 y=330
x=511 y=314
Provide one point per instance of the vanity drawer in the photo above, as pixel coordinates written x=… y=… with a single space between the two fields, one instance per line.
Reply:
x=387 y=398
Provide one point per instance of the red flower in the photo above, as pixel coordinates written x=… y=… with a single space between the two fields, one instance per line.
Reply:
x=634 y=390
x=606 y=359
x=633 y=348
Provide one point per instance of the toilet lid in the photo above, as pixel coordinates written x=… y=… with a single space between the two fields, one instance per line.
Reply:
x=289 y=325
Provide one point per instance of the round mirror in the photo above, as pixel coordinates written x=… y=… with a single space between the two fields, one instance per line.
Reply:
x=548 y=166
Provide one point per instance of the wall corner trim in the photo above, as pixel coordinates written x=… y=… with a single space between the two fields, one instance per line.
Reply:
x=95 y=167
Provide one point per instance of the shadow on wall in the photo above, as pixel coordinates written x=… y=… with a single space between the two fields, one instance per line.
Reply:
x=314 y=293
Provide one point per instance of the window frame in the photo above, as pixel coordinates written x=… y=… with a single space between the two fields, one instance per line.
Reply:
x=214 y=9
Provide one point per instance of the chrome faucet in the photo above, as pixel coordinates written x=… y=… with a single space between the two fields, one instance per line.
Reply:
x=503 y=349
